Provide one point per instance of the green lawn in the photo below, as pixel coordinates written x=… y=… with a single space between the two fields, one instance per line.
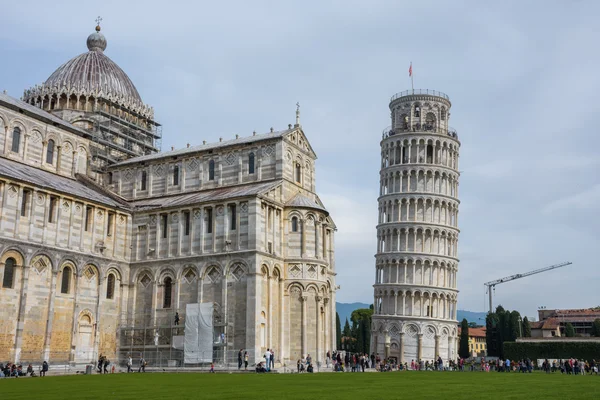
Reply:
x=391 y=385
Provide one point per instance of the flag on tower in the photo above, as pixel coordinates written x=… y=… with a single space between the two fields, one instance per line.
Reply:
x=410 y=70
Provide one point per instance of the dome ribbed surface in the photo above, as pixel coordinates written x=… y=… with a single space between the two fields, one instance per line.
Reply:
x=96 y=73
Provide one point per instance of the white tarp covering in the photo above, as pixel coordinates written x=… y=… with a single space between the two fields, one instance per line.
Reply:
x=198 y=346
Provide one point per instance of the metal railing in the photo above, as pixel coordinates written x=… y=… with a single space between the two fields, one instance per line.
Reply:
x=418 y=127
x=419 y=91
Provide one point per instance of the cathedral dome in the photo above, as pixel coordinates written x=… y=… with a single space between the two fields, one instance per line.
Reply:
x=95 y=72
x=91 y=75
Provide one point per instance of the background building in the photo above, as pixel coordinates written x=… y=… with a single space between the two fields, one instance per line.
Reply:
x=415 y=290
x=552 y=322
x=103 y=238
x=477 y=342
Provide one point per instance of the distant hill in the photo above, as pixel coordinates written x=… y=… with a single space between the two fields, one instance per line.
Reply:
x=345 y=310
x=471 y=316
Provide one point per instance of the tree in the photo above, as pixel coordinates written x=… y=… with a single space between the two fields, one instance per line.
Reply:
x=596 y=327
x=361 y=322
x=346 y=331
x=514 y=324
x=569 y=330
x=473 y=325
x=526 y=328
x=491 y=334
x=338 y=331
x=463 y=349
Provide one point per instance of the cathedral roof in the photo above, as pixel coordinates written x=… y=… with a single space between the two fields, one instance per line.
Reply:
x=47 y=180
x=302 y=201
x=204 y=147
x=203 y=196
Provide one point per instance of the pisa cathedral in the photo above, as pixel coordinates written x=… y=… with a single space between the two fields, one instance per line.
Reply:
x=103 y=237
x=415 y=292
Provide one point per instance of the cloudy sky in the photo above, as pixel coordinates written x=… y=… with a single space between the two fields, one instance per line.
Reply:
x=522 y=78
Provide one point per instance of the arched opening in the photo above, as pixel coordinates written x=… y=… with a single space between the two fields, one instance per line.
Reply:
x=110 y=286
x=175 y=175
x=251 y=163
x=298 y=173
x=16 y=140
x=50 y=152
x=430 y=122
x=211 y=170
x=9 y=273
x=294 y=224
x=168 y=292
x=417 y=110
x=429 y=154
x=65 y=280
x=144 y=180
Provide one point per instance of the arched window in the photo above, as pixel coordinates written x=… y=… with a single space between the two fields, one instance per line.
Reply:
x=9 y=272
x=16 y=140
x=294 y=224
x=251 y=163
x=66 y=280
x=110 y=286
x=211 y=170
x=176 y=175
x=168 y=289
x=298 y=173
x=417 y=111
x=50 y=152
x=144 y=180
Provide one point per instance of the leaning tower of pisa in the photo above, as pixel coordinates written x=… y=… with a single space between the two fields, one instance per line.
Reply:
x=417 y=232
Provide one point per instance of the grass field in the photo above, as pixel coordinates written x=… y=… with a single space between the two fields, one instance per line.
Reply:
x=394 y=385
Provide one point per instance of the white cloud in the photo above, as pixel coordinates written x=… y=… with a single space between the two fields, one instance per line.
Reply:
x=585 y=200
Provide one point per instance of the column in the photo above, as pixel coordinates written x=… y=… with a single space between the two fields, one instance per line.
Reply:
x=437 y=346
x=326 y=319
x=58 y=158
x=179 y=222
x=192 y=230
x=403 y=303
x=318 y=333
x=50 y=315
x=71 y=216
x=317 y=227
x=74 y=163
x=303 y=299
x=157 y=238
x=401 y=339
x=450 y=352
x=238 y=228
x=420 y=347
x=395 y=303
x=269 y=313
x=18 y=212
x=303 y=223
x=44 y=146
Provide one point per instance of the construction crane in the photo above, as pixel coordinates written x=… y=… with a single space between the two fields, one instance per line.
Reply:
x=492 y=285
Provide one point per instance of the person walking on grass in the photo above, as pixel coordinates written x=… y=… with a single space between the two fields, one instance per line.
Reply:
x=129 y=363
x=142 y=364
x=240 y=359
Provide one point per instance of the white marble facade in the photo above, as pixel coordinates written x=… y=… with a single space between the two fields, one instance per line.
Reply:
x=415 y=293
x=85 y=251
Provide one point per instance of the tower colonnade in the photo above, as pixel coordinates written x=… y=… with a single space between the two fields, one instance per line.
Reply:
x=415 y=291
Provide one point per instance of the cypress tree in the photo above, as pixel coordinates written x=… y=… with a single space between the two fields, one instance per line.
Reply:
x=338 y=331
x=463 y=349
x=491 y=334
x=514 y=326
x=526 y=328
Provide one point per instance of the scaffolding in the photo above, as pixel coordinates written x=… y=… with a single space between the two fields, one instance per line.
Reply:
x=119 y=137
x=159 y=338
